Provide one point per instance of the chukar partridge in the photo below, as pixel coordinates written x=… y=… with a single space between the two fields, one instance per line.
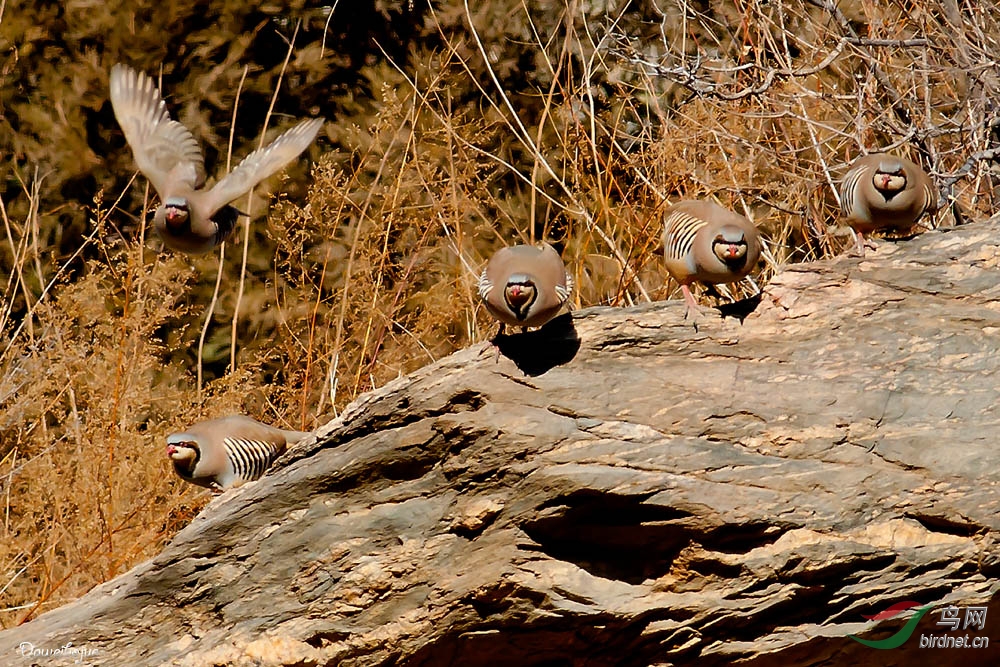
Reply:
x=191 y=219
x=525 y=285
x=707 y=243
x=884 y=191
x=226 y=452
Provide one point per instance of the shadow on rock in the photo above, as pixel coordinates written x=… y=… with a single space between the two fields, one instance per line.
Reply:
x=740 y=309
x=535 y=352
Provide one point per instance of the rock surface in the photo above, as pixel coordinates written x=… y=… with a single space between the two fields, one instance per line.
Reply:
x=629 y=492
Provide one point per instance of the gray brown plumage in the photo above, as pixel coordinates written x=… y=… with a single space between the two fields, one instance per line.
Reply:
x=704 y=242
x=191 y=219
x=525 y=285
x=883 y=191
x=226 y=452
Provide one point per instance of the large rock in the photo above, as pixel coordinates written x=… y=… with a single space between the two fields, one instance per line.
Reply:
x=625 y=491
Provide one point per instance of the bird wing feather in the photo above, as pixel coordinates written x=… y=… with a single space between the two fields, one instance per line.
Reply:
x=165 y=151
x=261 y=164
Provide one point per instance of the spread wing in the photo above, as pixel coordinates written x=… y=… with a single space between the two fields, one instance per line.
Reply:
x=262 y=163
x=165 y=151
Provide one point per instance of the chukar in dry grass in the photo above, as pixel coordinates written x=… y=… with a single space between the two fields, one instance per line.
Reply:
x=524 y=285
x=883 y=191
x=707 y=243
x=191 y=219
x=226 y=452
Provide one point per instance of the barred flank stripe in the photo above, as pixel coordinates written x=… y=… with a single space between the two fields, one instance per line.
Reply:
x=485 y=286
x=929 y=197
x=250 y=458
x=683 y=228
x=849 y=188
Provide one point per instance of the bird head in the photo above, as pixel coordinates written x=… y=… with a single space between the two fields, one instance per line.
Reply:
x=175 y=213
x=519 y=294
x=183 y=450
x=889 y=177
x=730 y=245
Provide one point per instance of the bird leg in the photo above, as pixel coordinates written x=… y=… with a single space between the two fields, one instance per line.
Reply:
x=860 y=244
x=493 y=343
x=692 y=306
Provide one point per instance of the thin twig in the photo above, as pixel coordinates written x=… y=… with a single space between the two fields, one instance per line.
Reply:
x=249 y=204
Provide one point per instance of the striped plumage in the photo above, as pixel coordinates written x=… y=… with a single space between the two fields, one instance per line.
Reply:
x=250 y=458
x=704 y=242
x=226 y=452
x=525 y=285
x=883 y=191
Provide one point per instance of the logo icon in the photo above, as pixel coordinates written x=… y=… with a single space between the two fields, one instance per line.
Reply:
x=904 y=632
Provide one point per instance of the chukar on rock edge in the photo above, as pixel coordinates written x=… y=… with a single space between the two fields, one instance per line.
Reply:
x=191 y=219
x=884 y=191
x=226 y=452
x=707 y=243
x=525 y=285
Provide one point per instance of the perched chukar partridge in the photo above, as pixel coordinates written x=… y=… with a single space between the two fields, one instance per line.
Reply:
x=884 y=191
x=191 y=219
x=524 y=285
x=707 y=243
x=226 y=452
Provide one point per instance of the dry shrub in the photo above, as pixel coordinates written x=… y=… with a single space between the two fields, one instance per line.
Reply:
x=571 y=122
x=86 y=399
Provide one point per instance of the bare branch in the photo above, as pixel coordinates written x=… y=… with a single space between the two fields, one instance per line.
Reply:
x=688 y=76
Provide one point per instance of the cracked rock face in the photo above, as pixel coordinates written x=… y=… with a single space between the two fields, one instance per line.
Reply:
x=619 y=489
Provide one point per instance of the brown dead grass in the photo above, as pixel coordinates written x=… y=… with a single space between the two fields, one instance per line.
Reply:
x=370 y=273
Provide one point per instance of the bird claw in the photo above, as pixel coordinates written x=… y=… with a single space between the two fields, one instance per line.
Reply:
x=695 y=314
x=491 y=346
x=860 y=243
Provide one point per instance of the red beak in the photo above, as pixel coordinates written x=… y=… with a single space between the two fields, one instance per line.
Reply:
x=170 y=450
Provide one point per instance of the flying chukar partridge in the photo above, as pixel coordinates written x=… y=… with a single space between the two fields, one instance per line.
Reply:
x=524 y=285
x=226 y=452
x=191 y=219
x=707 y=243
x=884 y=191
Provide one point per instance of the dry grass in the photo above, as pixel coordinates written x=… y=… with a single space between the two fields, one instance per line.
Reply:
x=560 y=124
